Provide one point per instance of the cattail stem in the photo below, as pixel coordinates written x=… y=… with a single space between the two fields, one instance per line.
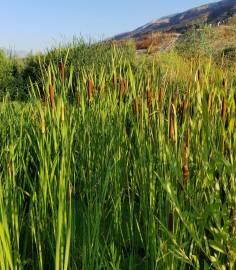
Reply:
x=63 y=74
x=161 y=96
x=172 y=123
x=120 y=92
x=100 y=91
x=149 y=98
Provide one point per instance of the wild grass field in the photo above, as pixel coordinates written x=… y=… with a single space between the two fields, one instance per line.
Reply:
x=114 y=162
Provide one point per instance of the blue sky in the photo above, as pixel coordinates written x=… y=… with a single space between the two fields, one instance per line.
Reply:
x=39 y=24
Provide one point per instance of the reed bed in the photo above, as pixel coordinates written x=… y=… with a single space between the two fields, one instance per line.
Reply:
x=120 y=168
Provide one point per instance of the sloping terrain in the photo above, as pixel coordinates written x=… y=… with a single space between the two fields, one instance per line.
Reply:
x=215 y=13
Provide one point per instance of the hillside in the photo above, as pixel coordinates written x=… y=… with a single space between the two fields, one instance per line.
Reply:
x=215 y=13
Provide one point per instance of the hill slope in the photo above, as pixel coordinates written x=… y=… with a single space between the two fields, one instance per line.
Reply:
x=215 y=13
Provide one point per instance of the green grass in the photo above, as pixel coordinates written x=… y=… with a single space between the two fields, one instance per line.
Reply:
x=93 y=185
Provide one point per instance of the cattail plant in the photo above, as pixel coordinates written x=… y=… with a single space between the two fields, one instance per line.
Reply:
x=172 y=122
x=90 y=91
x=52 y=99
x=107 y=88
x=176 y=98
x=224 y=83
x=185 y=167
x=198 y=75
x=210 y=102
x=136 y=106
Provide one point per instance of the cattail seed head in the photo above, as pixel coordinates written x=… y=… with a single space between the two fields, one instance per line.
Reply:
x=52 y=99
x=210 y=99
x=114 y=81
x=185 y=167
x=224 y=83
x=198 y=75
x=107 y=88
x=161 y=96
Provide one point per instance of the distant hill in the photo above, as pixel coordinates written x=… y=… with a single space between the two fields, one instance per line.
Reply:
x=214 y=13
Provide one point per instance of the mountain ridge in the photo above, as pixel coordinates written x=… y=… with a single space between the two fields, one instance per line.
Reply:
x=212 y=13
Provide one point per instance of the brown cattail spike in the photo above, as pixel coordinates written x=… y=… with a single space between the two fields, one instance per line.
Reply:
x=90 y=91
x=198 y=75
x=176 y=98
x=224 y=83
x=185 y=168
x=210 y=98
x=114 y=81
x=52 y=99
x=107 y=88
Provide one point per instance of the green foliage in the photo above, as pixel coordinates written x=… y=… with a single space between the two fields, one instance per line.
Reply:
x=91 y=183
x=194 y=43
